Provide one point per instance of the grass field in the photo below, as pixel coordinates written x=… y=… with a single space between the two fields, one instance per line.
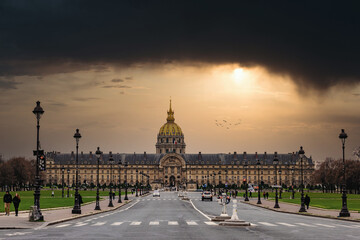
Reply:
x=321 y=200
x=46 y=201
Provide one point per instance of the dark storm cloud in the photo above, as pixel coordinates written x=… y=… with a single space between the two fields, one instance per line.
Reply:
x=314 y=42
x=6 y=84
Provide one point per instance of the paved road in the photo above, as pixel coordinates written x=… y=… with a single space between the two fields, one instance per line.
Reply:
x=168 y=217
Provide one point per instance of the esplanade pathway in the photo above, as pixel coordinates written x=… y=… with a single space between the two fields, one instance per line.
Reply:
x=294 y=208
x=53 y=216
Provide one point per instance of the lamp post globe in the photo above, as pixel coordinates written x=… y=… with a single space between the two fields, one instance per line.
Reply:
x=37 y=215
x=276 y=162
x=344 y=209
x=126 y=184
x=98 y=154
x=119 y=164
x=111 y=162
x=258 y=168
x=77 y=207
x=301 y=155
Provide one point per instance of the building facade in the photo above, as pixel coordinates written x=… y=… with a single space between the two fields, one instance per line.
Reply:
x=171 y=166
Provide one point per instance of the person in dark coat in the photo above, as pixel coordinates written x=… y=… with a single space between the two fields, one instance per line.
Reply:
x=16 y=200
x=7 y=201
x=267 y=195
x=307 y=201
x=80 y=200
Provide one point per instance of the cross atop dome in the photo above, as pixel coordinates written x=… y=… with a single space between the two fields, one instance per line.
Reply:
x=170 y=113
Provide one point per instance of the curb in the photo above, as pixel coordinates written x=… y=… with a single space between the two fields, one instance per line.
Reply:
x=302 y=214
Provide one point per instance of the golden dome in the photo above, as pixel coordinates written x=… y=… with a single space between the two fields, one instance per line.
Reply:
x=170 y=128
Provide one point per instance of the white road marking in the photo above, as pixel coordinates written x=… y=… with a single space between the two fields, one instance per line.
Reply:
x=80 y=224
x=116 y=223
x=98 y=224
x=305 y=225
x=17 y=233
x=286 y=224
x=135 y=223
x=200 y=211
x=210 y=223
x=173 y=223
x=267 y=224
x=154 y=223
x=63 y=225
x=191 y=223
x=324 y=225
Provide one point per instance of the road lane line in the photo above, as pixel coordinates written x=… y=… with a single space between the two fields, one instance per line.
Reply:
x=324 y=225
x=211 y=223
x=199 y=210
x=98 y=224
x=80 y=224
x=135 y=223
x=286 y=224
x=267 y=224
x=154 y=223
x=173 y=223
x=191 y=223
x=63 y=225
x=305 y=225
x=116 y=223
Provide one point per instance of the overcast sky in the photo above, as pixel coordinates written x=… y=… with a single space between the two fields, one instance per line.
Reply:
x=257 y=76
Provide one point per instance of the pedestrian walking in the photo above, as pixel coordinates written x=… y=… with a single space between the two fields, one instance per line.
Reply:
x=80 y=200
x=16 y=201
x=307 y=201
x=52 y=194
x=267 y=195
x=250 y=194
x=264 y=194
x=7 y=201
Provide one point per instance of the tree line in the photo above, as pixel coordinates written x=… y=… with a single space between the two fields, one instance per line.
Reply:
x=330 y=175
x=17 y=174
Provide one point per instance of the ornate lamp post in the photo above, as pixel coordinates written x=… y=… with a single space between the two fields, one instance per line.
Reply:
x=292 y=180
x=276 y=162
x=136 y=184
x=68 y=182
x=301 y=155
x=344 y=210
x=98 y=155
x=258 y=168
x=77 y=208
x=63 y=183
x=280 y=184
x=246 y=181
x=126 y=184
x=38 y=111
x=111 y=162
x=119 y=164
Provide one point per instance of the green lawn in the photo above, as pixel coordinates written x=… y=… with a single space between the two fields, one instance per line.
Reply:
x=46 y=201
x=317 y=199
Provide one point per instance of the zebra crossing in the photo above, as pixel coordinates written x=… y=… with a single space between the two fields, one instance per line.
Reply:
x=209 y=223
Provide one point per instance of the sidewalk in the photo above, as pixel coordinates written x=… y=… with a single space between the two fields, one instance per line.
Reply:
x=58 y=215
x=312 y=211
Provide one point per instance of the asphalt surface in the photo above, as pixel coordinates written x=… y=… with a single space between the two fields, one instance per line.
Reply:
x=169 y=217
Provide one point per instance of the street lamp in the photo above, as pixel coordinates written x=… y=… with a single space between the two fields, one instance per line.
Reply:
x=111 y=162
x=77 y=208
x=98 y=155
x=276 y=162
x=246 y=180
x=292 y=180
x=62 y=171
x=280 y=184
x=301 y=155
x=344 y=210
x=68 y=182
x=258 y=168
x=38 y=111
x=119 y=164
x=126 y=184
x=136 y=184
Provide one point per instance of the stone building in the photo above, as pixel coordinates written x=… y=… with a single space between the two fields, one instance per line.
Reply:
x=170 y=166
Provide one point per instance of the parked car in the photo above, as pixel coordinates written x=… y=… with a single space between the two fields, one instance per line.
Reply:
x=206 y=195
x=156 y=193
